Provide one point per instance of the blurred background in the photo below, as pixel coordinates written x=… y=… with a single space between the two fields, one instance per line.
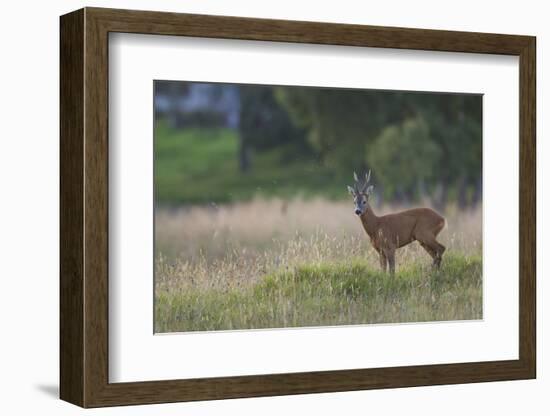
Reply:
x=254 y=227
x=217 y=143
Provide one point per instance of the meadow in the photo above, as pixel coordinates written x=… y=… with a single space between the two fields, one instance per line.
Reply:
x=196 y=166
x=302 y=262
x=279 y=246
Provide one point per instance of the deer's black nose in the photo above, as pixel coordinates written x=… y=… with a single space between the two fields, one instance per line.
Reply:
x=357 y=211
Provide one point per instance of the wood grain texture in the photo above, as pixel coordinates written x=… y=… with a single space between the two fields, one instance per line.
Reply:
x=227 y=27
x=84 y=207
x=528 y=208
x=96 y=208
x=71 y=208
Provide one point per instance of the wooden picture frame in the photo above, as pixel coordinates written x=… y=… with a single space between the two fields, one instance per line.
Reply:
x=84 y=207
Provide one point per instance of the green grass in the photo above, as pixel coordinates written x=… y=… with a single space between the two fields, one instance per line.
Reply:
x=201 y=166
x=266 y=258
x=329 y=294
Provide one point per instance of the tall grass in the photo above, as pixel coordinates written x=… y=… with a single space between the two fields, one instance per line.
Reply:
x=275 y=263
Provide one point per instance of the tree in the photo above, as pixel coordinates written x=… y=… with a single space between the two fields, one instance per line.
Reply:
x=264 y=124
x=455 y=124
x=340 y=122
x=170 y=93
x=404 y=156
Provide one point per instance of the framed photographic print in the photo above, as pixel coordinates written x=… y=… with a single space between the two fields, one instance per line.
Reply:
x=255 y=207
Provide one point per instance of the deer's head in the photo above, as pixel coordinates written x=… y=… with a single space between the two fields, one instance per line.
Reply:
x=360 y=193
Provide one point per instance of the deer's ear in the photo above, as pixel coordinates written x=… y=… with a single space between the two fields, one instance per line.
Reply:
x=351 y=190
x=370 y=189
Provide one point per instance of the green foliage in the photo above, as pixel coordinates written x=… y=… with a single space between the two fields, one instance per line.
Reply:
x=264 y=124
x=444 y=130
x=201 y=166
x=404 y=155
x=330 y=294
x=318 y=137
x=339 y=122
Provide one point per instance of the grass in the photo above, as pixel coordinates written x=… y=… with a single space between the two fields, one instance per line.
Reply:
x=278 y=247
x=197 y=166
x=275 y=263
x=329 y=294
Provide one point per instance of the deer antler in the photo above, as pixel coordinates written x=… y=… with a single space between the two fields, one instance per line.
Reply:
x=356 y=182
x=367 y=179
x=357 y=185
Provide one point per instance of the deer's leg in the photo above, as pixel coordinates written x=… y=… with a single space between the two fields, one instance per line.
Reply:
x=433 y=247
x=383 y=261
x=390 y=255
x=429 y=250
x=440 y=250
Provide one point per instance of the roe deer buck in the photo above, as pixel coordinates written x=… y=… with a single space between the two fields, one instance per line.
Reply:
x=389 y=232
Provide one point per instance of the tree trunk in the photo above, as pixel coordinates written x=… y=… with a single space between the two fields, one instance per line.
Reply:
x=462 y=198
x=421 y=189
x=173 y=112
x=244 y=156
x=478 y=191
x=440 y=196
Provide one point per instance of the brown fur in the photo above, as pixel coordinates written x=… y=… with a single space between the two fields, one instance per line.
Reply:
x=390 y=232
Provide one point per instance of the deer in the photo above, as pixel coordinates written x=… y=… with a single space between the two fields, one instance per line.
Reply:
x=392 y=231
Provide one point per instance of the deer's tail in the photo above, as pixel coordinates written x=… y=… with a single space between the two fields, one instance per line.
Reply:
x=443 y=225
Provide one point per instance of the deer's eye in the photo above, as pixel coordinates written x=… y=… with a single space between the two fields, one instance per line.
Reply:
x=364 y=201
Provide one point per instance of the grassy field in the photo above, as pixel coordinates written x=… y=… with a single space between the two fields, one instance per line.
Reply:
x=272 y=263
x=196 y=166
